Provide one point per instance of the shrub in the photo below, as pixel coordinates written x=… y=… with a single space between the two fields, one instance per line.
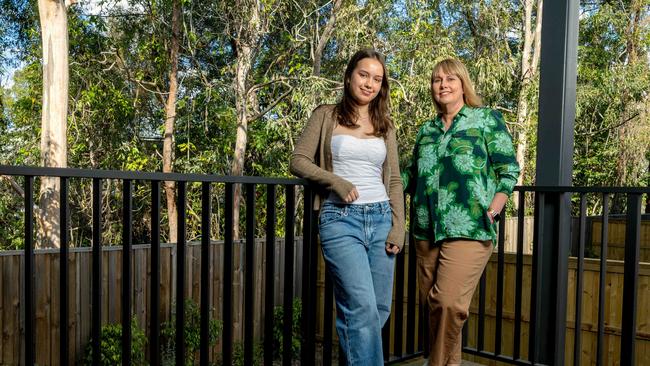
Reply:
x=278 y=318
x=192 y=334
x=238 y=355
x=111 y=345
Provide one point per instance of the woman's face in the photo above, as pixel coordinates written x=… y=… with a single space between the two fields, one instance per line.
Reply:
x=365 y=81
x=447 y=90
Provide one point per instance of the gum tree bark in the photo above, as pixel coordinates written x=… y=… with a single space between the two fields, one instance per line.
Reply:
x=170 y=119
x=54 y=37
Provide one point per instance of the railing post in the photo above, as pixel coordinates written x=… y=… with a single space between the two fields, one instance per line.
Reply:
x=553 y=244
x=557 y=91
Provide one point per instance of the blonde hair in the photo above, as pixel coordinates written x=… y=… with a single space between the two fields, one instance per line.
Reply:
x=455 y=67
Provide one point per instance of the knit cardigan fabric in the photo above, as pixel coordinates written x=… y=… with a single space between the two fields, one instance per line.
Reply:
x=312 y=160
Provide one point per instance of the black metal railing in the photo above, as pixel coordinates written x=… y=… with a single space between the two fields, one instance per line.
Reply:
x=154 y=179
x=539 y=299
x=408 y=338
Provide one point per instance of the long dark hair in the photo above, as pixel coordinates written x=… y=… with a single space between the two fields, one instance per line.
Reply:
x=346 y=109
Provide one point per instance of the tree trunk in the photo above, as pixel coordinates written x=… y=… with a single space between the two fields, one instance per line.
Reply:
x=245 y=42
x=244 y=62
x=529 y=64
x=54 y=36
x=170 y=118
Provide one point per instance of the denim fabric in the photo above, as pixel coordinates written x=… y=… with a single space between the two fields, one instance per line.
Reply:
x=353 y=240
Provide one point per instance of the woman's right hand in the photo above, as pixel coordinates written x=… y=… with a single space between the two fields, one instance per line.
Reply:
x=352 y=196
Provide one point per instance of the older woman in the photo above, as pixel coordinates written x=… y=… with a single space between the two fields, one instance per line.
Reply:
x=460 y=176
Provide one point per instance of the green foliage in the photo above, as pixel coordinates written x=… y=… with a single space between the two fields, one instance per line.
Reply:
x=238 y=355
x=278 y=327
x=111 y=345
x=192 y=333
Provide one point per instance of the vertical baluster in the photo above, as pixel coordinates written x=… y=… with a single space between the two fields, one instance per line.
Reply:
x=602 y=278
x=328 y=322
x=226 y=346
x=399 y=304
x=288 y=276
x=97 y=271
x=480 y=344
x=500 y=277
x=519 y=269
x=535 y=278
x=127 y=222
x=30 y=344
x=206 y=209
x=307 y=349
x=249 y=272
x=577 y=340
x=411 y=291
x=180 y=274
x=63 y=299
x=269 y=274
x=154 y=352
x=631 y=279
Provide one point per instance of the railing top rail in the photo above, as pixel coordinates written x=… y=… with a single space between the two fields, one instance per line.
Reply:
x=136 y=175
x=192 y=177
x=570 y=189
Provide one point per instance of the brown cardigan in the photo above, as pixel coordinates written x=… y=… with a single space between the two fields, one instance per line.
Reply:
x=312 y=160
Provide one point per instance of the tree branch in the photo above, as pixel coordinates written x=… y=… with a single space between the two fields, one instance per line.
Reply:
x=271 y=106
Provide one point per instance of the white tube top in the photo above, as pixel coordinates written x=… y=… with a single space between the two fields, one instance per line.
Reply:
x=360 y=162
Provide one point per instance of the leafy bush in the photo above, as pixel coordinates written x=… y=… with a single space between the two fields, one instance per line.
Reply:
x=111 y=345
x=192 y=334
x=278 y=336
x=238 y=355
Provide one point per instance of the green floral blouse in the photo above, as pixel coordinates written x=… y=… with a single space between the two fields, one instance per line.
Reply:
x=453 y=175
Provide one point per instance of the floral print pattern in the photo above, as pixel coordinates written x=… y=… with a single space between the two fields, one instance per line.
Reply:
x=453 y=175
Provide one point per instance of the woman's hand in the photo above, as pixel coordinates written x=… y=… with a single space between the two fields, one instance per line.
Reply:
x=352 y=196
x=498 y=202
x=392 y=248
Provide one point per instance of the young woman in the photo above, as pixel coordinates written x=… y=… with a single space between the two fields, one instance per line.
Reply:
x=462 y=171
x=349 y=152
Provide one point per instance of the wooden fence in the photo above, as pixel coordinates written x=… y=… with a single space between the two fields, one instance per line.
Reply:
x=589 y=325
x=46 y=278
x=615 y=243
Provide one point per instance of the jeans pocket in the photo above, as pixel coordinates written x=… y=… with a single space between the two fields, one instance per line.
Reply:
x=330 y=214
x=386 y=210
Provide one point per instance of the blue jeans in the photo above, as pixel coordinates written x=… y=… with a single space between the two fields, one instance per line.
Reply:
x=353 y=240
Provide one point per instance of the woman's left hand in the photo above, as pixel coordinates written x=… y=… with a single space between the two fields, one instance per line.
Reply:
x=392 y=248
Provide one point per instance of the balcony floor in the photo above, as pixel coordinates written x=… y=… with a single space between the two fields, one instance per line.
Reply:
x=420 y=362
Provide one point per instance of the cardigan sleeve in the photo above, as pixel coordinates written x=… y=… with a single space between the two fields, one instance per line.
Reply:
x=396 y=193
x=304 y=160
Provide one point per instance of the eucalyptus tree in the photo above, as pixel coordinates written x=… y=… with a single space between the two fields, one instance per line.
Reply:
x=612 y=118
x=54 y=34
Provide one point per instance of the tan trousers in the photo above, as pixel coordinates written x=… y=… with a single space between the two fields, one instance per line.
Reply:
x=448 y=275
